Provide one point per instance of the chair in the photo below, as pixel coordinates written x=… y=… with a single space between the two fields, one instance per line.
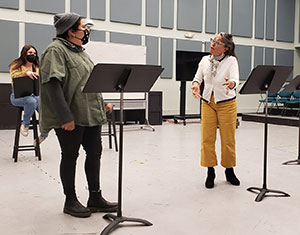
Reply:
x=111 y=132
x=283 y=97
x=294 y=100
x=33 y=126
x=271 y=99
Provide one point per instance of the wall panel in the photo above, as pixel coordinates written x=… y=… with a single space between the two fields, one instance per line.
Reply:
x=126 y=11
x=9 y=49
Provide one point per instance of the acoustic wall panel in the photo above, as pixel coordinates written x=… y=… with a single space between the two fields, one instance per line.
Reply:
x=242 y=12
x=259 y=19
x=270 y=20
x=9 y=49
x=285 y=57
x=189 y=15
x=39 y=40
x=46 y=6
x=269 y=56
x=223 y=15
x=13 y=4
x=244 y=59
x=207 y=46
x=152 y=13
x=186 y=45
x=167 y=14
x=166 y=57
x=211 y=16
x=97 y=9
x=285 y=20
x=152 y=50
x=258 y=56
x=124 y=38
x=98 y=36
x=79 y=7
x=126 y=11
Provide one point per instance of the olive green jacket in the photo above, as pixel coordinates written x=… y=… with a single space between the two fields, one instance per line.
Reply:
x=72 y=67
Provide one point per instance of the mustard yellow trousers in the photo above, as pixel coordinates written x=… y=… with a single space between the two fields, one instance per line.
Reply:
x=223 y=114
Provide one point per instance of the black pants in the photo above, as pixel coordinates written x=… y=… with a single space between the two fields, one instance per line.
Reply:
x=70 y=141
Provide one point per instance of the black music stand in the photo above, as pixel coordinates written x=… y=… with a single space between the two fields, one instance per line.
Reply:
x=265 y=79
x=294 y=85
x=121 y=78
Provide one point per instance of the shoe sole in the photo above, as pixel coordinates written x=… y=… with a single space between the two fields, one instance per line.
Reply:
x=79 y=215
x=96 y=209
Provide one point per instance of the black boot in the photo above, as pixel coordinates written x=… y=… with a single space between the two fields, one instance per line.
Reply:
x=97 y=203
x=75 y=208
x=209 y=183
x=231 y=178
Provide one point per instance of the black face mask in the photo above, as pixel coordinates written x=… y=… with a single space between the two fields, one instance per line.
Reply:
x=31 y=58
x=85 y=37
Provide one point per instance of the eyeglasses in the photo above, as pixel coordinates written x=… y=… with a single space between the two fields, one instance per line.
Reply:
x=216 y=42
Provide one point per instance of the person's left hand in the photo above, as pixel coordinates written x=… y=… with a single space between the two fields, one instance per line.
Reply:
x=109 y=107
x=229 y=84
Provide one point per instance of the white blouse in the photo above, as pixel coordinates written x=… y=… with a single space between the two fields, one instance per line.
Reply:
x=228 y=67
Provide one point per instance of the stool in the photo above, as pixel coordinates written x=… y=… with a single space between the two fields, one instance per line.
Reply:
x=111 y=129
x=33 y=125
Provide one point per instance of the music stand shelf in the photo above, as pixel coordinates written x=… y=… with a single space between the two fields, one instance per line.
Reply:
x=266 y=79
x=121 y=78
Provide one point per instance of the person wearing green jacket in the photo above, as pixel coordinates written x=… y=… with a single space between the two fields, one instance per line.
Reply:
x=75 y=116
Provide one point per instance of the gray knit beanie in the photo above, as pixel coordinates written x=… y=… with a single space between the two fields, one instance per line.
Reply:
x=64 y=21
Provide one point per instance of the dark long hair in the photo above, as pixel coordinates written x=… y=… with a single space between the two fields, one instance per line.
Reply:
x=227 y=39
x=74 y=27
x=17 y=63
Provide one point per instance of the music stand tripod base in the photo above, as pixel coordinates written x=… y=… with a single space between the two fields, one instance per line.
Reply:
x=262 y=193
x=117 y=220
x=292 y=162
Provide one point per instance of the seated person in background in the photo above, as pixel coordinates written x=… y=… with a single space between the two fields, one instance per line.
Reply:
x=26 y=65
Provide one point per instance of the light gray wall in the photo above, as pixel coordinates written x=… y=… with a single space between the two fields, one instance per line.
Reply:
x=285 y=57
x=46 y=34
x=186 y=45
x=9 y=49
x=242 y=14
x=79 y=7
x=259 y=18
x=152 y=50
x=167 y=57
x=258 y=56
x=129 y=11
x=269 y=56
x=13 y=4
x=223 y=15
x=270 y=19
x=211 y=16
x=98 y=36
x=167 y=14
x=244 y=59
x=125 y=38
x=97 y=9
x=285 y=25
x=46 y=6
x=189 y=15
x=152 y=13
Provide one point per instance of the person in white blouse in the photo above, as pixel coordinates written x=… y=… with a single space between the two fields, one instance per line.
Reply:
x=220 y=73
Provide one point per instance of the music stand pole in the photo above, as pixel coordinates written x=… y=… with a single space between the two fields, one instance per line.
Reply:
x=117 y=219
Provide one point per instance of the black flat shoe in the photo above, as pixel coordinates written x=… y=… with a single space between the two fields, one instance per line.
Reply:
x=231 y=178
